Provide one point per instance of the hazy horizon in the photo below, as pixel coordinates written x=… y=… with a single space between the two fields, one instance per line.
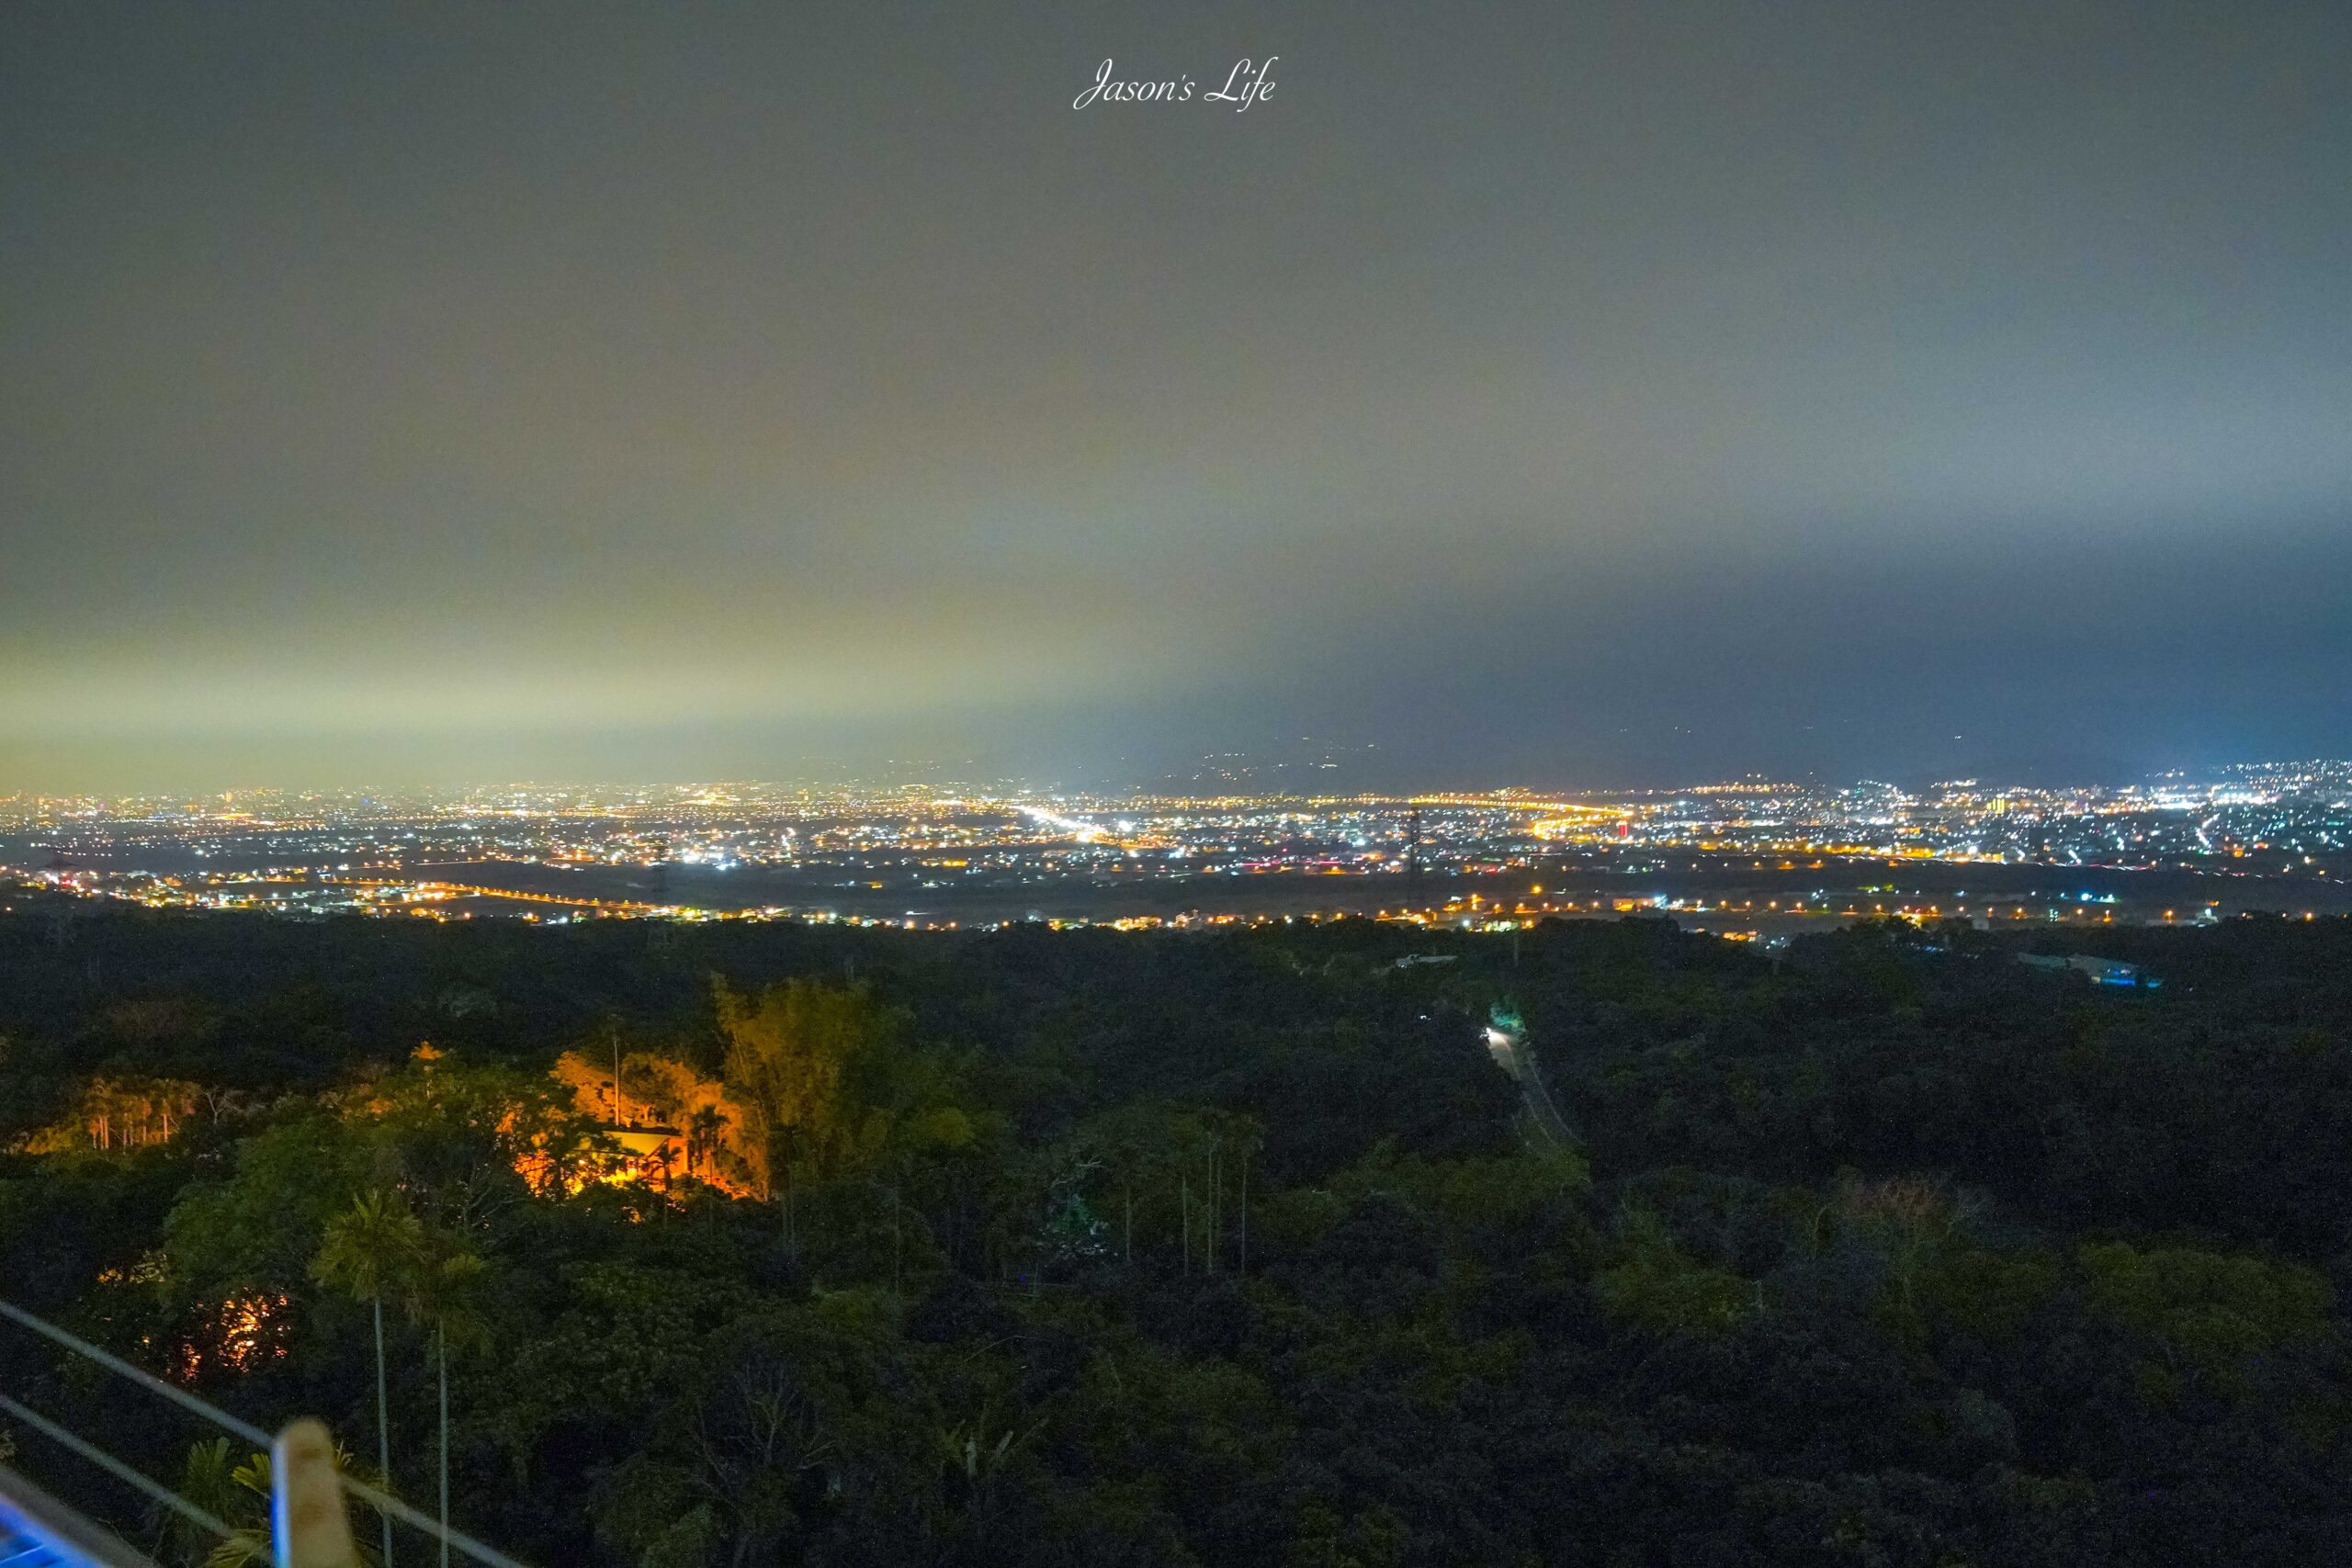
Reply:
x=1263 y=774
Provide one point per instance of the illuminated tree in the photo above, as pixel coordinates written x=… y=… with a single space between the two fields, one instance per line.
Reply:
x=789 y=1053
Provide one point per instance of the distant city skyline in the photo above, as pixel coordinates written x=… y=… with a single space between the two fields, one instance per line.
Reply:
x=1758 y=859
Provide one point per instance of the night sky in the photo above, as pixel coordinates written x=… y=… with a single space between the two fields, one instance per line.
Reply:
x=1540 y=394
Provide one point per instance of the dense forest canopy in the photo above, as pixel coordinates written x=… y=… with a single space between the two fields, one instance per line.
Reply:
x=1093 y=1247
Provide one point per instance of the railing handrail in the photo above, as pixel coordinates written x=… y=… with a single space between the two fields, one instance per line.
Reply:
x=480 y=1551
x=34 y=1514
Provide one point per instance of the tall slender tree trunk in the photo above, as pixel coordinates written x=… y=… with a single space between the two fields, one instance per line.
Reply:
x=441 y=1345
x=1208 y=1213
x=383 y=1429
x=1241 y=1264
x=1184 y=1217
x=1212 y=1214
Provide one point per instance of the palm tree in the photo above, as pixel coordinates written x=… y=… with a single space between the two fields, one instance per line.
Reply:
x=702 y=1131
x=239 y=1494
x=371 y=1248
x=216 y=1482
x=438 y=1291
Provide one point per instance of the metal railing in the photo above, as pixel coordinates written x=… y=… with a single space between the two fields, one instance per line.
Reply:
x=309 y=1527
x=39 y=1532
